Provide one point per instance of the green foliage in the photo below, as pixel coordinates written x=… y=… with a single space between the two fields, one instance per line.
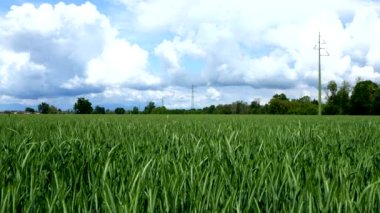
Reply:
x=43 y=108
x=255 y=107
x=279 y=104
x=30 y=110
x=281 y=97
x=149 y=108
x=363 y=98
x=338 y=101
x=376 y=102
x=343 y=98
x=223 y=109
x=240 y=107
x=83 y=106
x=99 y=110
x=303 y=106
x=53 y=110
x=189 y=164
x=135 y=110
x=120 y=110
x=159 y=110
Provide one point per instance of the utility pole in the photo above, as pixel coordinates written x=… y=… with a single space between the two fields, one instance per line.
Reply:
x=319 y=48
x=192 y=96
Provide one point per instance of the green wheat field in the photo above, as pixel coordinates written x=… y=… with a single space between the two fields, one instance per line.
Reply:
x=194 y=163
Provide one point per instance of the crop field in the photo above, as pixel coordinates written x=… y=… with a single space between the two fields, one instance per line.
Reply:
x=194 y=163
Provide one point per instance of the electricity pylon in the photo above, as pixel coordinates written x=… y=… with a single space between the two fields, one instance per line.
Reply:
x=319 y=48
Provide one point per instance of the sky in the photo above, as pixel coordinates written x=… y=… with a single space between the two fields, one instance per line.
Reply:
x=125 y=53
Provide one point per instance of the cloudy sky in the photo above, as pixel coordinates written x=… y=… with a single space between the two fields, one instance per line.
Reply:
x=128 y=52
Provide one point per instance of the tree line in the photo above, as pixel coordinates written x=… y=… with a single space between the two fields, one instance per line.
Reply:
x=362 y=99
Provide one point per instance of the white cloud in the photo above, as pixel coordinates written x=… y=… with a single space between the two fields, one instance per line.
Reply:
x=172 y=52
x=222 y=46
x=120 y=64
x=213 y=94
x=364 y=73
x=264 y=44
x=64 y=50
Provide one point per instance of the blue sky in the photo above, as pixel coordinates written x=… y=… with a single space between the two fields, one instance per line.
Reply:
x=129 y=52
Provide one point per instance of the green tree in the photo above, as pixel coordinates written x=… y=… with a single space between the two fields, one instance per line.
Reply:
x=240 y=107
x=30 y=110
x=338 y=100
x=149 y=108
x=281 y=97
x=376 y=103
x=303 y=106
x=279 y=104
x=255 y=107
x=363 y=98
x=43 y=108
x=99 y=110
x=120 y=111
x=331 y=107
x=305 y=99
x=159 y=110
x=83 y=106
x=223 y=109
x=209 y=110
x=135 y=110
x=332 y=87
x=343 y=98
x=53 y=110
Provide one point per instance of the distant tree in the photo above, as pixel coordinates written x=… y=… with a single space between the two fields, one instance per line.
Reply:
x=304 y=99
x=149 y=108
x=338 y=100
x=332 y=88
x=281 y=97
x=30 y=110
x=302 y=106
x=376 y=103
x=255 y=107
x=69 y=111
x=239 y=107
x=159 y=110
x=99 y=110
x=209 y=110
x=363 y=98
x=331 y=107
x=279 y=104
x=83 y=106
x=120 y=110
x=343 y=98
x=135 y=110
x=53 y=110
x=43 y=108
x=223 y=109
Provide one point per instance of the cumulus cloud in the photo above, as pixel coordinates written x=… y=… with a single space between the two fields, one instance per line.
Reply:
x=213 y=94
x=172 y=52
x=264 y=44
x=223 y=47
x=66 y=50
x=120 y=64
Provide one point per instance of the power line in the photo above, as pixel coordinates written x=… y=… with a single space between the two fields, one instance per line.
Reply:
x=319 y=48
